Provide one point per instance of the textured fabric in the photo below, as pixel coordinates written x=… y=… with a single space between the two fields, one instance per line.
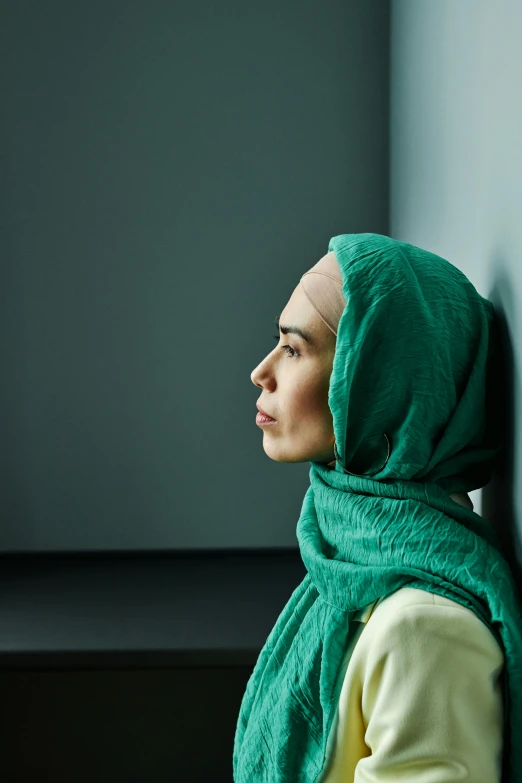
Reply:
x=416 y=358
x=420 y=696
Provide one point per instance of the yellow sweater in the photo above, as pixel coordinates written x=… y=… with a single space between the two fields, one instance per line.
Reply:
x=419 y=696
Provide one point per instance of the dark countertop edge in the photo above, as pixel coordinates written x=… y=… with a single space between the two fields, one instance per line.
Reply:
x=127 y=659
x=152 y=554
x=46 y=572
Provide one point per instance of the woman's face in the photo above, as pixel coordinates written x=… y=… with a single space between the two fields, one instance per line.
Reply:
x=294 y=381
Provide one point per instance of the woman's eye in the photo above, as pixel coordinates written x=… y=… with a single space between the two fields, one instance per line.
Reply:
x=290 y=351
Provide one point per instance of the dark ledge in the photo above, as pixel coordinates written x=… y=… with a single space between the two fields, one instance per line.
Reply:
x=142 y=610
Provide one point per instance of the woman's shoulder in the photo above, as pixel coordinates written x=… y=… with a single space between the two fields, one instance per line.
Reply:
x=413 y=610
x=403 y=597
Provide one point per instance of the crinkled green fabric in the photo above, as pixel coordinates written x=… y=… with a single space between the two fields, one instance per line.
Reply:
x=415 y=358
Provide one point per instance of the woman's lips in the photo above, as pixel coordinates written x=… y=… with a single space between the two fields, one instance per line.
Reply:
x=262 y=419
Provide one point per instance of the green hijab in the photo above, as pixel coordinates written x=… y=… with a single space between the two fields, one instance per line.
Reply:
x=416 y=359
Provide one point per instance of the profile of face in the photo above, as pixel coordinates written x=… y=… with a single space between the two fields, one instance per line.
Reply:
x=294 y=378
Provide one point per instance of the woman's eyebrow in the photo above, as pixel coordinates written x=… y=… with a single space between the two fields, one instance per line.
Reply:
x=294 y=330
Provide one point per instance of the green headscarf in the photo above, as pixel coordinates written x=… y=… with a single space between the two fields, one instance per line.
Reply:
x=415 y=358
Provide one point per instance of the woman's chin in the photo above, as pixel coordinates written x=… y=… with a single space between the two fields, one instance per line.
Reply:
x=278 y=455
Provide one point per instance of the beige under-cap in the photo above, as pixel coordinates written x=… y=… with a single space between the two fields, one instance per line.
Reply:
x=323 y=287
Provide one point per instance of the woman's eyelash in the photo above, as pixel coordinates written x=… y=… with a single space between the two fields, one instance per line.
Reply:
x=290 y=351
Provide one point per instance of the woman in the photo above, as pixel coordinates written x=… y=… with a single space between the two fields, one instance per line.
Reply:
x=399 y=656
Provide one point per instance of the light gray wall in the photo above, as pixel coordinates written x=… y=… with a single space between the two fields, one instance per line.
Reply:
x=168 y=171
x=456 y=172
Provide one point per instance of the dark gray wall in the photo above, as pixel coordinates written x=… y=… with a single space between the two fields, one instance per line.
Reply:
x=168 y=171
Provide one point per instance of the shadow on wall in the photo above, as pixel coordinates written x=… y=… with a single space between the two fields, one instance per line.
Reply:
x=499 y=495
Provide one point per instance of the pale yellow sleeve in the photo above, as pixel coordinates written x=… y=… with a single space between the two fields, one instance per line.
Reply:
x=432 y=698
